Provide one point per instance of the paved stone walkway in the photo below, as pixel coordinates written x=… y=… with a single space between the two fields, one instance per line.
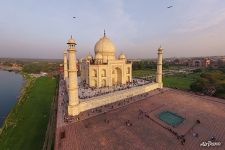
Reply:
x=125 y=129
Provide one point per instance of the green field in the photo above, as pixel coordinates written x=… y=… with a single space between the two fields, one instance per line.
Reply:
x=179 y=81
x=143 y=72
x=182 y=82
x=175 y=82
x=25 y=126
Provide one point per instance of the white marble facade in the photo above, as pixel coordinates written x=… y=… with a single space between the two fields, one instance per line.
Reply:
x=104 y=69
x=101 y=71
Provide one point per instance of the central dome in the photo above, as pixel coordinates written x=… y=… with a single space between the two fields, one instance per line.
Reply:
x=104 y=45
x=106 y=48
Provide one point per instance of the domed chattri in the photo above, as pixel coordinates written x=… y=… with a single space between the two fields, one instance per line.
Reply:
x=122 y=56
x=106 y=48
x=89 y=57
x=71 y=41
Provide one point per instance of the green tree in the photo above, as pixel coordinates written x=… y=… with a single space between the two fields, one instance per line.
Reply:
x=210 y=83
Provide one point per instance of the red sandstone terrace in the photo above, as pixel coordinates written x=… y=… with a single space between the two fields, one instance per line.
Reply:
x=136 y=126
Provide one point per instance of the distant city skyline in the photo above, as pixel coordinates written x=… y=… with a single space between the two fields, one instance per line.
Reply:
x=40 y=29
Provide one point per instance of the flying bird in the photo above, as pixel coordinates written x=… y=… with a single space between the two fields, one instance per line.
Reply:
x=74 y=17
x=169 y=6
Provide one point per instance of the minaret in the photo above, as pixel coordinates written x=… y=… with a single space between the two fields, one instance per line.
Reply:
x=159 y=68
x=65 y=66
x=73 y=87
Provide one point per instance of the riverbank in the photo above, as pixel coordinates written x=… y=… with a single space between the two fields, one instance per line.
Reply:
x=11 y=68
x=28 y=82
x=11 y=88
x=25 y=126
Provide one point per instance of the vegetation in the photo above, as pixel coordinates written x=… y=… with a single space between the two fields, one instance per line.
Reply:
x=151 y=64
x=180 y=81
x=25 y=126
x=7 y=64
x=143 y=72
x=38 y=67
x=210 y=83
x=140 y=65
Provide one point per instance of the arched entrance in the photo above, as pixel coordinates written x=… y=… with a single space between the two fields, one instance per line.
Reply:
x=103 y=83
x=117 y=76
x=197 y=63
x=94 y=83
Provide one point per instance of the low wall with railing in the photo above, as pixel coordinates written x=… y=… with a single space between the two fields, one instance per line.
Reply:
x=95 y=102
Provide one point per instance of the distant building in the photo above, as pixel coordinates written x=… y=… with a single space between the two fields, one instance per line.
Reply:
x=200 y=62
x=221 y=62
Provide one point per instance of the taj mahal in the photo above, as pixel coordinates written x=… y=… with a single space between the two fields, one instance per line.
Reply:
x=106 y=74
x=104 y=69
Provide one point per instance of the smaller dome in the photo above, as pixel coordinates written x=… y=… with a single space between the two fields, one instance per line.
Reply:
x=122 y=56
x=98 y=56
x=89 y=57
x=71 y=41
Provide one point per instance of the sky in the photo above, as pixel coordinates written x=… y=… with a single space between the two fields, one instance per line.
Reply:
x=41 y=28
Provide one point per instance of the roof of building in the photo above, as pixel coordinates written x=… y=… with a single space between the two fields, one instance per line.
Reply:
x=71 y=41
x=122 y=56
x=105 y=45
x=89 y=56
x=160 y=48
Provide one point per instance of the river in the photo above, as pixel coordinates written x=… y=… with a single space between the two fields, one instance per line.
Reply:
x=10 y=87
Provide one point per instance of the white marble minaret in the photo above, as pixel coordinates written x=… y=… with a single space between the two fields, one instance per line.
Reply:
x=65 y=66
x=73 y=87
x=159 y=67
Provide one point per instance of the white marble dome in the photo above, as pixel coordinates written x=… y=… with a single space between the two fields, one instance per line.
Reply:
x=105 y=46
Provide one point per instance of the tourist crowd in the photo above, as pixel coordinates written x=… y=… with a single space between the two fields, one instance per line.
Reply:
x=87 y=92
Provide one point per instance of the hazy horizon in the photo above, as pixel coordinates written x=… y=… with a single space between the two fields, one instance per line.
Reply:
x=40 y=29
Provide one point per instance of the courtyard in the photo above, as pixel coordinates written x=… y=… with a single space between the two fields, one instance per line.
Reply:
x=137 y=125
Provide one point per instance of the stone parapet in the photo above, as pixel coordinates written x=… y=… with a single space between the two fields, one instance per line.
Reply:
x=114 y=97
